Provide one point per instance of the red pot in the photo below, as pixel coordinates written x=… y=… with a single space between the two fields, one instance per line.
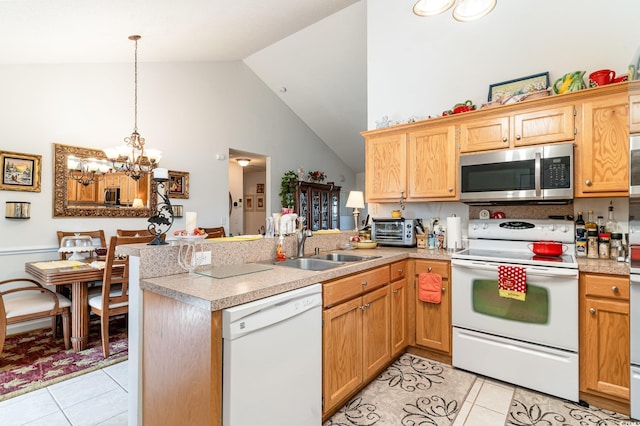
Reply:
x=547 y=248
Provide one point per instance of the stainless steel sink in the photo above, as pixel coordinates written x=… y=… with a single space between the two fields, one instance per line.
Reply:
x=310 y=264
x=341 y=257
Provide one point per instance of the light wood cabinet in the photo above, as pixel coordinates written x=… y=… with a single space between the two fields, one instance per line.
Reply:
x=500 y=130
x=433 y=165
x=604 y=340
x=602 y=163
x=386 y=167
x=399 y=308
x=79 y=193
x=356 y=335
x=634 y=107
x=433 y=321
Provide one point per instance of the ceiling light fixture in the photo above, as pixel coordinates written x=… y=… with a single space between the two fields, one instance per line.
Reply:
x=465 y=10
x=85 y=171
x=131 y=158
x=243 y=162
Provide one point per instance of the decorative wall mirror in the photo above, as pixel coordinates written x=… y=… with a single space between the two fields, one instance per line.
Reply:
x=78 y=194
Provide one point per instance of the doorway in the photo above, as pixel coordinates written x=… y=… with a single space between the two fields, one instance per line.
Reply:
x=249 y=192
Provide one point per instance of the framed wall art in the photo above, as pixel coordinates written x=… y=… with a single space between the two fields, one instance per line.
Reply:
x=260 y=188
x=178 y=184
x=260 y=203
x=248 y=203
x=20 y=172
x=532 y=83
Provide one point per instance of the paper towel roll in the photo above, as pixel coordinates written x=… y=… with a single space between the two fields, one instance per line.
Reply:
x=454 y=233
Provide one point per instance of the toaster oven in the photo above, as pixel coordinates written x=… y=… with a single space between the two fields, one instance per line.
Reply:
x=394 y=232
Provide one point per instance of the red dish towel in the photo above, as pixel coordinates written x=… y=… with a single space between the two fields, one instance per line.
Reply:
x=512 y=282
x=430 y=287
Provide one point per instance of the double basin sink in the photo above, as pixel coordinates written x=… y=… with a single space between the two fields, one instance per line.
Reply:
x=321 y=262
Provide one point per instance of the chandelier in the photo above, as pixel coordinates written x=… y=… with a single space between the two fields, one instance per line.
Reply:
x=465 y=10
x=131 y=158
x=85 y=171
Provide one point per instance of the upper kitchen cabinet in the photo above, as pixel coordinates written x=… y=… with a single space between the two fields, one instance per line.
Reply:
x=433 y=164
x=634 y=107
x=602 y=148
x=500 y=128
x=386 y=166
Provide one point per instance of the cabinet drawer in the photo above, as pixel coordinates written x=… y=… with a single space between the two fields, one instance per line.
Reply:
x=398 y=270
x=354 y=285
x=437 y=267
x=606 y=286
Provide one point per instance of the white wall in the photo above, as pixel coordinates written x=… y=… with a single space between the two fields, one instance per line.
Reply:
x=190 y=111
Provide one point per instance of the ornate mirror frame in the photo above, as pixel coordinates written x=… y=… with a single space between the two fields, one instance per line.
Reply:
x=61 y=206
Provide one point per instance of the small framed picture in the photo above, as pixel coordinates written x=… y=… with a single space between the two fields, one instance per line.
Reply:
x=260 y=203
x=248 y=203
x=260 y=188
x=178 y=184
x=519 y=86
x=20 y=172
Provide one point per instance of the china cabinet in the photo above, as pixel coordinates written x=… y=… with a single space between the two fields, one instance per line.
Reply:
x=319 y=203
x=604 y=341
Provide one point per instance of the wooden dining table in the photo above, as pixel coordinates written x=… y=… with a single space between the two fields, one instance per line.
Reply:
x=77 y=274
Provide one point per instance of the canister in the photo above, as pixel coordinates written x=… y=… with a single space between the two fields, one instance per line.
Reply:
x=592 y=244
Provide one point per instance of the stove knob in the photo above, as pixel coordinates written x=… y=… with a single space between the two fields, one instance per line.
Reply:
x=563 y=228
x=552 y=227
x=475 y=227
x=485 y=226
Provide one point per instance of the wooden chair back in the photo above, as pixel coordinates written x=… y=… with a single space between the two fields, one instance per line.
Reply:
x=95 y=235
x=215 y=232
x=24 y=299
x=134 y=232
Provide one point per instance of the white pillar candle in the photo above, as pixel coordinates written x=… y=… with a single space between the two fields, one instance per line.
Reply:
x=160 y=173
x=191 y=222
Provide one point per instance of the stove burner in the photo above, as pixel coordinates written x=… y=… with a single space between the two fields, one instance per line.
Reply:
x=517 y=225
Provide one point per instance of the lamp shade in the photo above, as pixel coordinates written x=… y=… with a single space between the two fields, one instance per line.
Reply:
x=355 y=200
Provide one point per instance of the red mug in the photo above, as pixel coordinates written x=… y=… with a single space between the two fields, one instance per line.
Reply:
x=601 y=78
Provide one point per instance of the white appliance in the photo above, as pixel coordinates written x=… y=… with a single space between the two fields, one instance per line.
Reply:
x=531 y=343
x=272 y=360
x=634 y=321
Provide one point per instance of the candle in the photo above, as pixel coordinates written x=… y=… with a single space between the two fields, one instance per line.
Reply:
x=160 y=173
x=191 y=222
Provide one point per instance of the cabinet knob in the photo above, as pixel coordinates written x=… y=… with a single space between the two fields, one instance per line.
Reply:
x=614 y=289
x=518 y=137
x=429 y=269
x=400 y=271
x=587 y=182
x=364 y=283
x=450 y=189
x=504 y=139
x=362 y=308
x=444 y=289
x=395 y=291
x=592 y=310
x=368 y=305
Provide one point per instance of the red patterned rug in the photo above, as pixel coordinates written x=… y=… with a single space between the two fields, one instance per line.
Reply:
x=34 y=360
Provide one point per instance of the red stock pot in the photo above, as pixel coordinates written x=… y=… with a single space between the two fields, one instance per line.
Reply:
x=547 y=248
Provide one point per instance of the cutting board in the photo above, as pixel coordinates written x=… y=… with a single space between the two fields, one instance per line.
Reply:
x=221 y=272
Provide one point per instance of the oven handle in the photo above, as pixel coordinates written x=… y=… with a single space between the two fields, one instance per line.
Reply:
x=537 y=178
x=533 y=270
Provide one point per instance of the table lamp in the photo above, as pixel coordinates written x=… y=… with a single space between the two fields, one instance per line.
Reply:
x=355 y=201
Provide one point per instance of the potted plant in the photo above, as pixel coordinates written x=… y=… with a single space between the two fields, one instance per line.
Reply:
x=288 y=185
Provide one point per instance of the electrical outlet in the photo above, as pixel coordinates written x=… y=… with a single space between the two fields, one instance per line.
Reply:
x=203 y=258
x=223 y=219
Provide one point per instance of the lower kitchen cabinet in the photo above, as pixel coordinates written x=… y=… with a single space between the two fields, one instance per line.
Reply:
x=399 y=308
x=356 y=335
x=433 y=321
x=604 y=341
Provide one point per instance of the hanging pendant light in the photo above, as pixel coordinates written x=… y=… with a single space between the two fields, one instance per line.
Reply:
x=131 y=157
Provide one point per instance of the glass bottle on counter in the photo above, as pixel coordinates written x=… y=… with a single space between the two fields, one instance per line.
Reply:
x=600 y=225
x=581 y=237
x=590 y=224
x=611 y=225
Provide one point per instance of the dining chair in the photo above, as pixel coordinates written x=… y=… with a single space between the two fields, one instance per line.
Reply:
x=95 y=235
x=23 y=299
x=114 y=298
x=215 y=232
x=134 y=232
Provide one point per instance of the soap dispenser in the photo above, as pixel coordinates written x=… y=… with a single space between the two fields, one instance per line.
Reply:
x=280 y=254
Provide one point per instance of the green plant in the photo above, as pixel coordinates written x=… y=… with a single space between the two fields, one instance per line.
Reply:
x=288 y=185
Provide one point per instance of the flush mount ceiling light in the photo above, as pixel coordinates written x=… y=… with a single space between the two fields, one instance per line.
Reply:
x=465 y=10
x=131 y=157
x=243 y=162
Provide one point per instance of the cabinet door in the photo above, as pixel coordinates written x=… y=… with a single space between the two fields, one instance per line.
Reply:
x=634 y=113
x=87 y=193
x=399 y=312
x=604 y=355
x=485 y=134
x=112 y=180
x=544 y=126
x=342 y=351
x=602 y=166
x=433 y=320
x=376 y=334
x=386 y=167
x=433 y=166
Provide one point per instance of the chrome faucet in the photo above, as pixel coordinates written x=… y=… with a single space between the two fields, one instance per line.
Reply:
x=303 y=233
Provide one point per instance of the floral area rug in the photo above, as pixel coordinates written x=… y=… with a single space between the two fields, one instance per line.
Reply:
x=412 y=391
x=530 y=408
x=34 y=359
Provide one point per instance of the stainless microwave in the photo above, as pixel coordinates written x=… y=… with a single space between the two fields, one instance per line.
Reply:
x=112 y=197
x=634 y=166
x=537 y=173
x=394 y=232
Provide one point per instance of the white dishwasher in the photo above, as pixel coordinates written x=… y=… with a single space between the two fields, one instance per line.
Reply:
x=272 y=360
